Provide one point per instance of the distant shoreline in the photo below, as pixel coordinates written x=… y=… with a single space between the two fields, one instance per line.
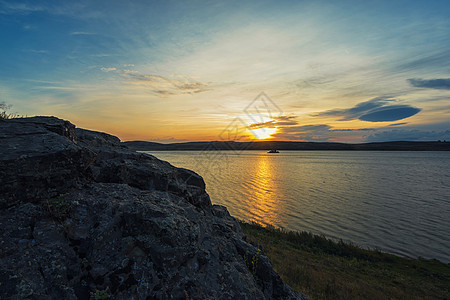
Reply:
x=285 y=146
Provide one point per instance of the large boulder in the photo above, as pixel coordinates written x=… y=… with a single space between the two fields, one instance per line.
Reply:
x=83 y=217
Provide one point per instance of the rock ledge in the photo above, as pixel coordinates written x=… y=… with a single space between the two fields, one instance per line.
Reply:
x=83 y=217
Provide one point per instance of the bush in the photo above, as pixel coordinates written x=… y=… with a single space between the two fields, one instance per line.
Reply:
x=4 y=114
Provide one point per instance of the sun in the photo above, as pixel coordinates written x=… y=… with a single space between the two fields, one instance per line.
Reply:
x=263 y=133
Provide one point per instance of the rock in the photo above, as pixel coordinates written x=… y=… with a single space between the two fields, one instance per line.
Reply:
x=89 y=138
x=39 y=158
x=83 y=217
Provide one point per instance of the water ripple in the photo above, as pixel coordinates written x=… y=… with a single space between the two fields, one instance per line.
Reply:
x=395 y=201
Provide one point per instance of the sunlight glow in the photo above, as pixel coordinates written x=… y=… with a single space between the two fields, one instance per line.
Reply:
x=305 y=75
x=263 y=133
x=265 y=209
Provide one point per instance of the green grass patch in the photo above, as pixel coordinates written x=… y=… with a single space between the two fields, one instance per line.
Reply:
x=58 y=207
x=325 y=269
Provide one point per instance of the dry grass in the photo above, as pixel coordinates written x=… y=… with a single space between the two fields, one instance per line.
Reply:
x=324 y=269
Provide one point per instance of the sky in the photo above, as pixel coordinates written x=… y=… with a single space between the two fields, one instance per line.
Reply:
x=175 y=71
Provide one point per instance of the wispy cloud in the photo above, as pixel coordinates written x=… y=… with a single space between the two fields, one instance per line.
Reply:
x=19 y=8
x=101 y=55
x=397 y=124
x=308 y=128
x=285 y=120
x=82 y=33
x=72 y=9
x=29 y=27
x=108 y=69
x=320 y=132
x=319 y=63
x=325 y=132
x=374 y=110
x=437 y=59
x=390 y=113
x=38 y=51
x=268 y=124
x=162 y=85
x=440 y=83
x=278 y=121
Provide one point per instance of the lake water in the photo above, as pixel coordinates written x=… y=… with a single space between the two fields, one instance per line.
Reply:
x=398 y=202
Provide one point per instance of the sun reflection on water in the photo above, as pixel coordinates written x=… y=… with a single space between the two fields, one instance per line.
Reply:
x=265 y=208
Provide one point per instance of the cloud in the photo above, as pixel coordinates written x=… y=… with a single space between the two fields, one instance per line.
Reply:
x=82 y=33
x=397 y=124
x=390 y=113
x=269 y=124
x=278 y=121
x=324 y=133
x=288 y=128
x=321 y=132
x=29 y=27
x=72 y=9
x=308 y=128
x=161 y=85
x=374 y=110
x=285 y=120
x=108 y=69
x=356 y=111
x=38 y=51
x=165 y=85
x=19 y=8
x=101 y=55
x=408 y=135
x=163 y=92
x=353 y=129
x=440 y=83
x=426 y=60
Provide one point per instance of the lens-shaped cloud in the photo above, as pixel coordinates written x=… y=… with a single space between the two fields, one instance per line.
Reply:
x=374 y=110
x=439 y=83
x=390 y=113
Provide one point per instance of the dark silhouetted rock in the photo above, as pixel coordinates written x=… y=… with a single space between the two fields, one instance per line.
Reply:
x=82 y=217
x=39 y=158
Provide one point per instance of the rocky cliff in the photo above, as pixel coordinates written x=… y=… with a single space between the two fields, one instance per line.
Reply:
x=83 y=217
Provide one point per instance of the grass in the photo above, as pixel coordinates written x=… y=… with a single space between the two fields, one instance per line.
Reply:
x=325 y=269
x=4 y=112
x=100 y=295
x=58 y=207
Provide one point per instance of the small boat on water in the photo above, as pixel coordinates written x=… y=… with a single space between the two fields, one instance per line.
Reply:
x=273 y=151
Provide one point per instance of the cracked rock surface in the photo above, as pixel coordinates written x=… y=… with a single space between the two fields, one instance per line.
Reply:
x=83 y=217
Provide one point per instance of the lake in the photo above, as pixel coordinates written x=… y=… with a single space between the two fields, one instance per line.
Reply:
x=398 y=202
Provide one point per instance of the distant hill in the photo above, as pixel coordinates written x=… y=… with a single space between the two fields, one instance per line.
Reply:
x=268 y=145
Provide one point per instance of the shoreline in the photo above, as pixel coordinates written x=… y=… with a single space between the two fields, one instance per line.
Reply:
x=323 y=268
x=285 y=146
x=336 y=240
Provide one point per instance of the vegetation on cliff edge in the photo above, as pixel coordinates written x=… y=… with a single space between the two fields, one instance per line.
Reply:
x=4 y=114
x=325 y=269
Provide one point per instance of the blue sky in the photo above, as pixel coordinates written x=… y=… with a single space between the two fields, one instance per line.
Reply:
x=349 y=71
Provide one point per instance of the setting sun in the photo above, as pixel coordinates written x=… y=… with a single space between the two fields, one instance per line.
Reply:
x=152 y=149
x=263 y=133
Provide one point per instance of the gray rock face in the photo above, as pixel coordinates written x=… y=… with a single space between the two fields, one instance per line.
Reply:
x=83 y=217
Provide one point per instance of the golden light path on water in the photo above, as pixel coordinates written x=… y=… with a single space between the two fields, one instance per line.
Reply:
x=392 y=200
x=266 y=206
